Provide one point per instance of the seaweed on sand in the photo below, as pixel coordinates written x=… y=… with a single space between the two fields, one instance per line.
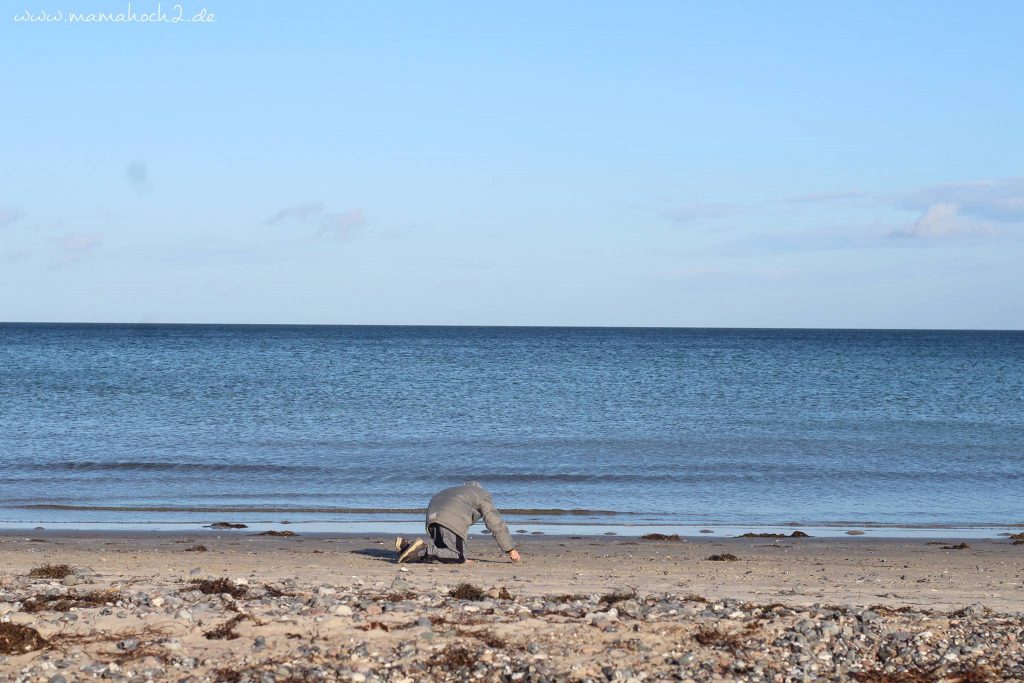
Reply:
x=467 y=591
x=712 y=637
x=454 y=658
x=196 y=549
x=218 y=587
x=487 y=637
x=795 y=534
x=908 y=676
x=277 y=533
x=227 y=525
x=275 y=592
x=63 y=603
x=617 y=596
x=958 y=546
x=660 y=537
x=51 y=571
x=724 y=557
x=17 y=640
x=225 y=631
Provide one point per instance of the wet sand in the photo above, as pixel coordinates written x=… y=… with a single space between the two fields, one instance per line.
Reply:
x=600 y=608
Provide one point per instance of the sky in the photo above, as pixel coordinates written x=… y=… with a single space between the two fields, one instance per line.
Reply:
x=693 y=164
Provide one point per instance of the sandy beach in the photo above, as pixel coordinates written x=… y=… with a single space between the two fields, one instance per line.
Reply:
x=138 y=607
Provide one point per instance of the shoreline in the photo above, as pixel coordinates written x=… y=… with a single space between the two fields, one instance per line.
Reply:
x=523 y=530
x=337 y=608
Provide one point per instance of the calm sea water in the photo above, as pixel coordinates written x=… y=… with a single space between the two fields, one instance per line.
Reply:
x=135 y=423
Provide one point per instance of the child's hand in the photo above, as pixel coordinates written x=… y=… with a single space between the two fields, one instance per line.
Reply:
x=514 y=554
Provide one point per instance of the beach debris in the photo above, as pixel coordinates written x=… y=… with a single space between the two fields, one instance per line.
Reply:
x=660 y=537
x=617 y=596
x=227 y=525
x=63 y=603
x=225 y=631
x=795 y=534
x=218 y=587
x=724 y=557
x=714 y=637
x=277 y=533
x=1017 y=537
x=51 y=571
x=958 y=546
x=332 y=632
x=200 y=548
x=16 y=639
x=467 y=591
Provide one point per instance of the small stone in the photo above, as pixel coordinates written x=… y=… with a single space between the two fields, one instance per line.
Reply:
x=70 y=580
x=343 y=611
x=128 y=644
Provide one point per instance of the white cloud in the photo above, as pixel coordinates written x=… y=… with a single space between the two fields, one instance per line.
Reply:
x=994 y=200
x=944 y=219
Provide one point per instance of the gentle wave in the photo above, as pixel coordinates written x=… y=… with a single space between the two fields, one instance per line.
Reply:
x=134 y=466
x=703 y=474
x=549 y=512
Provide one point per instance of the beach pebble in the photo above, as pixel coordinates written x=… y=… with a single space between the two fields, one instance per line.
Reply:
x=868 y=616
x=343 y=610
x=128 y=644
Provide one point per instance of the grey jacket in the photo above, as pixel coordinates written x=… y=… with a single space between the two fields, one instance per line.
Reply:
x=459 y=507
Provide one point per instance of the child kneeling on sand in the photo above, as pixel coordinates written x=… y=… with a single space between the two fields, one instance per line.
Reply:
x=449 y=516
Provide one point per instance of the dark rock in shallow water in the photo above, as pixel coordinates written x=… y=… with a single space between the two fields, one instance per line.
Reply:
x=227 y=525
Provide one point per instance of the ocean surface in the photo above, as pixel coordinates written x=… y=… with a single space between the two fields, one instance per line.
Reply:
x=569 y=427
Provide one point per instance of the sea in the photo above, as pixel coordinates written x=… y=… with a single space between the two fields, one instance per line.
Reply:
x=573 y=430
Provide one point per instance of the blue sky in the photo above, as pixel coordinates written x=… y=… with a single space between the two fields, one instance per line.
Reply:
x=771 y=164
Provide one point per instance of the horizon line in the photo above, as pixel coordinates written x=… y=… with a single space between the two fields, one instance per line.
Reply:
x=478 y=326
